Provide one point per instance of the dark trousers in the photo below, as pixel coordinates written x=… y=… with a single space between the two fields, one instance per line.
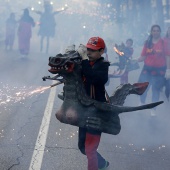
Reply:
x=88 y=142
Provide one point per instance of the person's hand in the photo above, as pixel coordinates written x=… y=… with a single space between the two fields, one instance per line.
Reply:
x=82 y=50
x=167 y=74
x=70 y=48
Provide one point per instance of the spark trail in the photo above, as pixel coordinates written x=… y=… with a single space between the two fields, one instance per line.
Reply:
x=16 y=94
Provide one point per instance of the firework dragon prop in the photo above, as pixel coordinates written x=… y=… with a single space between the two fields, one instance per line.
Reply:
x=78 y=108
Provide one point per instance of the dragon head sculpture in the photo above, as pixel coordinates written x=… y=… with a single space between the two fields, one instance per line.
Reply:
x=65 y=63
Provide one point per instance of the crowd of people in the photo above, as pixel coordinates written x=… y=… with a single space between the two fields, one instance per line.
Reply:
x=24 y=32
x=23 y=29
x=155 y=56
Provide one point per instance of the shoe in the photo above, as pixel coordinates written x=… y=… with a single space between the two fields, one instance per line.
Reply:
x=105 y=166
x=153 y=112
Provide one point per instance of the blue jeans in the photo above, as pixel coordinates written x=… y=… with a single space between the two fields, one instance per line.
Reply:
x=156 y=82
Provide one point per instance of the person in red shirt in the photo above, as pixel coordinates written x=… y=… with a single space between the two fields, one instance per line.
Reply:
x=26 y=23
x=156 y=58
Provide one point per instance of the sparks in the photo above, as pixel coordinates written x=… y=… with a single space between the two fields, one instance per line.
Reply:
x=38 y=90
x=9 y=94
x=118 y=52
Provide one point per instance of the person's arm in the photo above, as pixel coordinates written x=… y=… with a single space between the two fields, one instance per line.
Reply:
x=58 y=11
x=38 y=12
x=143 y=55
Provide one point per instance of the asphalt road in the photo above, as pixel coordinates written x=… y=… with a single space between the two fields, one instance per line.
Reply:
x=32 y=138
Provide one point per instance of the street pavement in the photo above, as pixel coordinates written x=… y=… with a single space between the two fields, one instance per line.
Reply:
x=143 y=143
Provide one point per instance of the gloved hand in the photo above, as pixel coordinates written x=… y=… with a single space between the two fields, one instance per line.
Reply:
x=82 y=50
x=167 y=74
x=70 y=48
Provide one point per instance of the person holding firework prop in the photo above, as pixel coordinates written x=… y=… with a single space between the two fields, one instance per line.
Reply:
x=125 y=63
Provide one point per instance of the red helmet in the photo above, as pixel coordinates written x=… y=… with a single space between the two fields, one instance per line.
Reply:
x=95 y=43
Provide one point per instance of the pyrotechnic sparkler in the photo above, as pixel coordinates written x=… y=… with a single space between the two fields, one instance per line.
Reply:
x=16 y=94
x=120 y=53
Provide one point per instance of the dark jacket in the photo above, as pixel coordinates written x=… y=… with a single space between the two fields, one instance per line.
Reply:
x=95 y=78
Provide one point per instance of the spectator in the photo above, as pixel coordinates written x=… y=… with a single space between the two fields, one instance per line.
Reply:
x=25 y=32
x=47 y=25
x=11 y=24
x=128 y=52
x=156 y=58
